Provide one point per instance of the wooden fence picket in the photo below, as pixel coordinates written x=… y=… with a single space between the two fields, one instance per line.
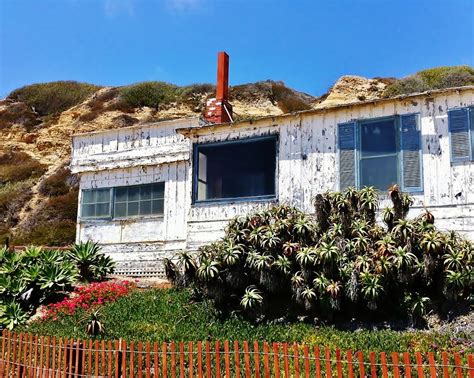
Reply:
x=25 y=355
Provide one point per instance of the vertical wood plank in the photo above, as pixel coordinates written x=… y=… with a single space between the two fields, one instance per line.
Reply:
x=25 y=354
x=78 y=354
x=276 y=359
x=458 y=365
x=89 y=358
x=181 y=359
x=266 y=360
x=96 y=358
x=406 y=361
x=46 y=352
x=199 y=359
x=432 y=363
x=65 y=360
x=164 y=349
x=173 y=359
x=296 y=360
x=360 y=357
x=470 y=361
x=124 y=358
x=30 y=353
x=256 y=357
x=328 y=363
x=118 y=348
x=147 y=359
x=396 y=369
x=350 y=368
x=419 y=365
x=156 y=359
x=445 y=361
x=373 y=368
x=218 y=359
x=109 y=358
x=83 y=356
x=237 y=359
x=286 y=363
x=383 y=362
x=246 y=359
x=317 y=361
x=190 y=357
x=227 y=358
x=307 y=369
x=7 y=363
x=103 y=358
x=18 y=357
x=338 y=363
x=132 y=359
x=208 y=359
x=140 y=360
x=3 y=356
x=14 y=347
x=60 y=347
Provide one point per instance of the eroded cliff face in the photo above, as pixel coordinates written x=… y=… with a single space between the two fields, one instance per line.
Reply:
x=28 y=212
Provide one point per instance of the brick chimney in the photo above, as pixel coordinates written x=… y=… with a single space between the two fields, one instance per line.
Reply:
x=218 y=110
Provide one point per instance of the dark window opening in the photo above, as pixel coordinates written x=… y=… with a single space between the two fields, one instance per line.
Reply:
x=235 y=170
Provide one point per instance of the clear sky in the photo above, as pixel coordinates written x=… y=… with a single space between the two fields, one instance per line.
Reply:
x=307 y=44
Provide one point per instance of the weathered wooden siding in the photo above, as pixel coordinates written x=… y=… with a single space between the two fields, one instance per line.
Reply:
x=307 y=164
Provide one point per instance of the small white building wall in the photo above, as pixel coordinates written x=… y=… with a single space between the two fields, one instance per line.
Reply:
x=308 y=162
x=307 y=165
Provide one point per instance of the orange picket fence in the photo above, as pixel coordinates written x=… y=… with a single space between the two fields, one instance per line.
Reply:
x=26 y=355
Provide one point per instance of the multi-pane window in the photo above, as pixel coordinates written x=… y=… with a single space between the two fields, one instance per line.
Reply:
x=381 y=152
x=95 y=203
x=123 y=202
x=136 y=200
x=378 y=164
x=233 y=170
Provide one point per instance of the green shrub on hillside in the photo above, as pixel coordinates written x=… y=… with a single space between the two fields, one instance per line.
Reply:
x=53 y=97
x=282 y=262
x=13 y=196
x=433 y=78
x=19 y=166
x=58 y=183
x=149 y=93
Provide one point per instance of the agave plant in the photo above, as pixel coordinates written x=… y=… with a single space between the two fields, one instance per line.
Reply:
x=208 y=270
x=328 y=252
x=283 y=264
x=371 y=289
x=432 y=242
x=453 y=259
x=85 y=255
x=308 y=295
x=12 y=315
x=252 y=298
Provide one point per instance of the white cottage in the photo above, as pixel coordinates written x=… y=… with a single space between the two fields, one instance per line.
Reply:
x=150 y=190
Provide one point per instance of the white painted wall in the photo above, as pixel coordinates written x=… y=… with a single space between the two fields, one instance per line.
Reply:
x=156 y=152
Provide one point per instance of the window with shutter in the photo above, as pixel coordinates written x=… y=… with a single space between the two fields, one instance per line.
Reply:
x=411 y=153
x=381 y=152
x=459 y=133
x=347 y=155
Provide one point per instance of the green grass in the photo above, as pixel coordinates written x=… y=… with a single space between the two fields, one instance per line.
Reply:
x=165 y=315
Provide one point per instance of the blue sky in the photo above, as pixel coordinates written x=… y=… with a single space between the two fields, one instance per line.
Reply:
x=307 y=44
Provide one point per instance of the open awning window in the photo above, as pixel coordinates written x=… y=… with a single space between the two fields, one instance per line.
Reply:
x=243 y=169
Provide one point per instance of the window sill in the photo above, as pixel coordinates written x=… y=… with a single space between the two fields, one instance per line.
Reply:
x=125 y=219
x=230 y=201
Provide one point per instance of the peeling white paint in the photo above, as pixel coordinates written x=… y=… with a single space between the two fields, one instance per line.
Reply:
x=307 y=165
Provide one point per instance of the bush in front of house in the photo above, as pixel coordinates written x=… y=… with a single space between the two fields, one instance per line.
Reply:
x=36 y=276
x=149 y=93
x=282 y=262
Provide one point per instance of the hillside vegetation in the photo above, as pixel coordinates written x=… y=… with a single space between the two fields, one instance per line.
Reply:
x=37 y=121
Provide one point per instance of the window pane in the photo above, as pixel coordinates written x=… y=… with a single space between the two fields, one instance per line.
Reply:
x=88 y=196
x=378 y=138
x=235 y=170
x=145 y=192
x=133 y=193
x=132 y=209
x=159 y=190
x=102 y=210
x=145 y=207
x=157 y=207
x=120 y=210
x=87 y=210
x=379 y=172
x=103 y=195
x=121 y=194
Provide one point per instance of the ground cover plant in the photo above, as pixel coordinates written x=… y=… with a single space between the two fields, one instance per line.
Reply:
x=174 y=315
x=283 y=263
x=35 y=276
